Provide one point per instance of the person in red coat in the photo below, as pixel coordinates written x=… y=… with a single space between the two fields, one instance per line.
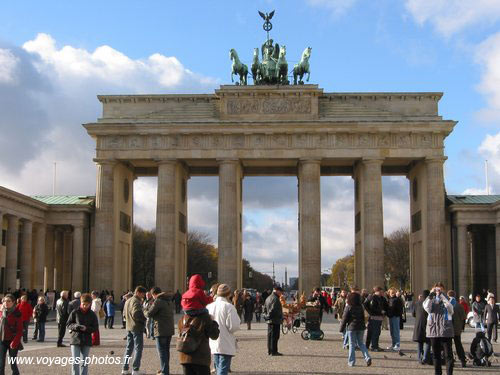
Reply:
x=26 y=312
x=11 y=330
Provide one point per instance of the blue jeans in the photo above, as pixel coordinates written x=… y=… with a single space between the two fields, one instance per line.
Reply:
x=79 y=367
x=424 y=352
x=394 y=328
x=135 y=343
x=163 y=349
x=222 y=364
x=356 y=340
x=345 y=340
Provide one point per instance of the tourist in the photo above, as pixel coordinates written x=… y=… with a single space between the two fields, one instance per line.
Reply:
x=109 y=310
x=82 y=322
x=440 y=327
x=62 y=317
x=458 y=319
x=135 y=323
x=26 y=312
x=148 y=301
x=419 y=335
x=11 y=331
x=394 y=312
x=466 y=307
x=97 y=309
x=238 y=302
x=376 y=306
x=339 y=307
x=74 y=303
x=177 y=300
x=161 y=312
x=478 y=309
x=194 y=300
x=40 y=313
x=491 y=317
x=353 y=323
x=224 y=313
x=248 y=309
x=258 y=307
x=320 y=301
x=273 y=314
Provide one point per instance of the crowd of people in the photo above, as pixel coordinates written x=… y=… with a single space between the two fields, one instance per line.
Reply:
x=210 y=319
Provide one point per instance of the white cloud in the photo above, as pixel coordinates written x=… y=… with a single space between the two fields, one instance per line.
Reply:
x=337 y=7
x=488 y=55
x=451 y=16
x=8 y=63
x=490 y=150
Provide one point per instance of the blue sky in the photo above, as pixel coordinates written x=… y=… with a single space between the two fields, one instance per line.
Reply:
x=56 y=56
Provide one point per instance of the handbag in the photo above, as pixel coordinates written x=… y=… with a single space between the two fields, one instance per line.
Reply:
x=101 y=314
x=187 y=341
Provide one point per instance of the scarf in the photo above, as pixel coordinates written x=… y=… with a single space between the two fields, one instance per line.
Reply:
x=3 y=320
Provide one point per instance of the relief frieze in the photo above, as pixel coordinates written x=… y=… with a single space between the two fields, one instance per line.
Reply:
x=269 y=106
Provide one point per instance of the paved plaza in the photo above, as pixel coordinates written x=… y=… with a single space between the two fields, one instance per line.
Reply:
x=300 y=357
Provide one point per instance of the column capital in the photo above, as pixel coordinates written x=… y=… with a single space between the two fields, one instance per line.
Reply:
x=435 y=159
x=101 y=161
x=228 y=161
x=310 y=160
x=372 y=160
x=166 y=161
x=24 y=220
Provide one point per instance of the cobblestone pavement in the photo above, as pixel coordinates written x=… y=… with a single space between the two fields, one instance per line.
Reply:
x=300 y=357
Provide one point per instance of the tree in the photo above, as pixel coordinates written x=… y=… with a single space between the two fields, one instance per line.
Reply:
x=397 y=257
x=202 y=257
x=343 y=271
x=258 y=280
x=143 y=257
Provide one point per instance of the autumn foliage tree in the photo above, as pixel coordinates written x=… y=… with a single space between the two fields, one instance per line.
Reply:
x=397 y=257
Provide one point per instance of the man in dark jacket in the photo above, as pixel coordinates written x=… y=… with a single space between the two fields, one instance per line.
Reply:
x=62 y=317
x=376 y=306
x=419 y=336
x=162 y=313
x=458 y=324
x=394 y=312
x=490 y=317
x=320 y=301
x=273 y=313
x=75 y=303
x=136 y=323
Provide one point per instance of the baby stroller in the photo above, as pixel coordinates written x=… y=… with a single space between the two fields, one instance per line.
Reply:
x=312 y=330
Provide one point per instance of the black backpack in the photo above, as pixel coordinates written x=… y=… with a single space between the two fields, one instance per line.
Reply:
x=486 y=347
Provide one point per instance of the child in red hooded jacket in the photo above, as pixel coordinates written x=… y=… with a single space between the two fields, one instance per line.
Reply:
x=194 y=300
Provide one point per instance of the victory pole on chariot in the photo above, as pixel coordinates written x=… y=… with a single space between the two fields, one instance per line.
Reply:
x=273 y=70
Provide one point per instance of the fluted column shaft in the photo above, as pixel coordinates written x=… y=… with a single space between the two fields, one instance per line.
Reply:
x=67 y=259
x=436 y=251
x=11 y=256
x=309 y=225
x=39 y=258
x=373 y=223
x=102 y=276
x=59 y=258
x=48 y=281
x=166 y=226
x=78 y=261
x=463 y=260
x=26 y=254
x=229 y=263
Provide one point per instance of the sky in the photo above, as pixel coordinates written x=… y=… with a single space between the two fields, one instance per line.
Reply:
x=56 y=56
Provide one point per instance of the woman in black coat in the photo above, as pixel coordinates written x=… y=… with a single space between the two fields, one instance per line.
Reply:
x=419 y=336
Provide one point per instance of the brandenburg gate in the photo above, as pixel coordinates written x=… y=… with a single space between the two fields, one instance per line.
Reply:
x=279 y=130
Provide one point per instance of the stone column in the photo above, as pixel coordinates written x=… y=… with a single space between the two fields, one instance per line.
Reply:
x=166 y=227
x=67 y=259
x=26 y=254
x=78 y=261
x=59 y=259
x=229 y=263
x=497 y=252
x=436 y=250
x=48 y=279
x=309 y=225
x=11 y=255
x=102 y=275
x=39 y=258
x=462 y=260
x=1 y=228
x=373 y=223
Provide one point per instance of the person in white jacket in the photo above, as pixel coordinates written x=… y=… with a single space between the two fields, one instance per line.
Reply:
x=225 y=314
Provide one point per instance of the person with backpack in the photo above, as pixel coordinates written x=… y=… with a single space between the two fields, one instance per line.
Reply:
x=491 y=316
x=481 y=349
x=440 y=327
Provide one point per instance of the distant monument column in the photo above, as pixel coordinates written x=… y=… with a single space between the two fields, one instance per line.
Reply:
x=78 y=261
x=463 y=260
x=11 y=255
x=102 y=273
x=26 y=254
x=39 y=259
x=309 y=225
x=171 y=226
x=48 y=281
x=230 y=211
x=435 y=221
